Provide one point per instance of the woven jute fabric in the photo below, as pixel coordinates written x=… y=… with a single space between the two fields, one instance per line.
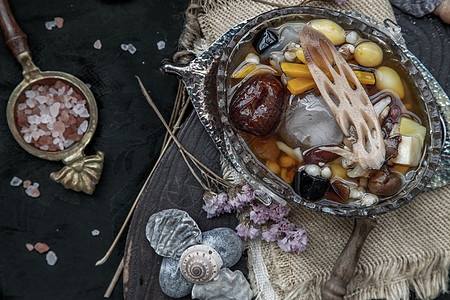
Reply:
x=409 y=248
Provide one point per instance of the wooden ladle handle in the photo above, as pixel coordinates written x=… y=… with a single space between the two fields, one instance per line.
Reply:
x=344 y=267
x=15 y=38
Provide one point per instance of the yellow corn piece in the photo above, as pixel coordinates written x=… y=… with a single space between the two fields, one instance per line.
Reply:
x=295 y=70
x=365 y=77
x=253 y=70
x=300 y=55
x=301 y=71
x=299 y=85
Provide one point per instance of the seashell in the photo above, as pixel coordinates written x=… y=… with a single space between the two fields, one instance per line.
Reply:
x=172 y=283
x=81 y=172
x=172 y=231
x=226 y=242
x=200 y=263
x=228 y=285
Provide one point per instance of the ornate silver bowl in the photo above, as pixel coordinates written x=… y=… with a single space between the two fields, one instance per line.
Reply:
x=206 y=80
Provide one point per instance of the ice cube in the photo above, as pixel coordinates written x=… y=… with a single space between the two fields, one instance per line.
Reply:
x=309 y=123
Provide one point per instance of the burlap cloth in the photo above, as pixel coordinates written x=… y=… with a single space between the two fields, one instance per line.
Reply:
x=410 y=247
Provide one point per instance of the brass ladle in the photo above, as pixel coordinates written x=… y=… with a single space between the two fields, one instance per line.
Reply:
x=80 y=173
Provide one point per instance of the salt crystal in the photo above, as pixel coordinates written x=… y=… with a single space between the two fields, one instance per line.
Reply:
x=33 y=127
x=69 y=92
x=55 y=134
x=41 y=132
x=59 y=126
x=52 y=91
x=26 y=183
x=83 y=126
x=27 y=138
x=56 y=140
x=41 y=247
x=50 y=24
x=41 y=99
x=88 y=85
x=95 y=232
x=29 y=94
x=143 y=62
x=54 y=109
x=36 y=184
x=40 y=88
x=131 y=49
x=28 y=111
x=61 y=146
x=15 y=181
x=33 y=191
x=84 y=113
x=68 y=143
x=98 y=45
x=45 y=119
x=44 y=148
x=61 y=90
x=29 y=246
x=51 y=258
x=29 y=103
x=161 y=45
x=35 y=135
x=59 y=22
x=21 y=106
x=78 y=108
x=124 y=47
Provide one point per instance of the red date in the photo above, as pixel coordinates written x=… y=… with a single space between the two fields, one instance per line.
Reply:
x=257 y=106
x=316 y=155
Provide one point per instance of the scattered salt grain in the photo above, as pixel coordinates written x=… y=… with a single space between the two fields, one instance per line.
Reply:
x=50 y=24
x=98 y=45
x=29 y=246
x=128 y=47
x=51 y=258
x=41 y=247
x=59 y=22
x=161 y=45
x=33 y=191
x=95 y=232
x=15 y=181
x=131 y=49
x=26 y=183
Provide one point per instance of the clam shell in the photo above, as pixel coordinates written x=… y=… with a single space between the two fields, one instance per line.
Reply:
x=226 y=242
x=172 y=231
x=200 y=263
x=228 y=285
x=172 y=283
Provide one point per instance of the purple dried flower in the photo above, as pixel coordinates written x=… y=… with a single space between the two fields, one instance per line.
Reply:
x=248 y=191
x=260 y=213
x=278 y=212
x=247 y=231
x=272 y=234
x=215 y=204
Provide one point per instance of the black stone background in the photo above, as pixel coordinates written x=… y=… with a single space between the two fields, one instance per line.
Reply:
x=128 y=133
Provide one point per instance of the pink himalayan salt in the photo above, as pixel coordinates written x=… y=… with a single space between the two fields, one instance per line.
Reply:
x=59 y=22
x=41 y=247
x=26 y=183
x=33 y=191
x=66 y=106
x=29 y=246
x=59 y=126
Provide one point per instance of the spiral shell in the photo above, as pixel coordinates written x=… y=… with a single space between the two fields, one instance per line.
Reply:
x=200 y=264
x=172 y=231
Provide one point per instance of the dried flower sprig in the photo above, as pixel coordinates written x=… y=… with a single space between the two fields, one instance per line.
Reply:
x=268 y=222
